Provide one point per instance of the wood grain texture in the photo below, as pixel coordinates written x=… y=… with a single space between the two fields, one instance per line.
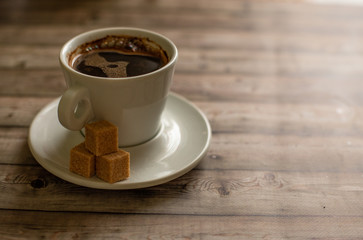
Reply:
x=219 y=193
x=60 y=225
x=280 y=82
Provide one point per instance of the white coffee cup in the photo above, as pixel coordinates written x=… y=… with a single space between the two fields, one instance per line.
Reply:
x=134 y=104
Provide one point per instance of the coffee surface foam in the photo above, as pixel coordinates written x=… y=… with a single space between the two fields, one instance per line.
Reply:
x=118 y=56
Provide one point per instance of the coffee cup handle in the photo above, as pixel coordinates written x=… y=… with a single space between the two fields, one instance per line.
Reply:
x=75 y=109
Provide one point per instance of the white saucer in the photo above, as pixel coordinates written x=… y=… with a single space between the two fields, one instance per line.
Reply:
x=181 y=143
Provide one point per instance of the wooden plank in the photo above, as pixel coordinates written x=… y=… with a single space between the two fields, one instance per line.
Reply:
x=14 y=147
x=325 y=90
x=242 y=151
x=261 y=6
x=19 y=112
x=42 y=83
x=299 y=42
x=284 y=119
x=330 y=90
x=267 y=63
x=284 y=153
x=338 y=119
x=75 y=225
x=181 y=15
x=21 y=57
x=267 y=193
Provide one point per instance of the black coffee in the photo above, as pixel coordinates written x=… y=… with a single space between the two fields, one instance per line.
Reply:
x=118 y=56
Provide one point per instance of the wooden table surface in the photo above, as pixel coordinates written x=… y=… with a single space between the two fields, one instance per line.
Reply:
x=281 y=83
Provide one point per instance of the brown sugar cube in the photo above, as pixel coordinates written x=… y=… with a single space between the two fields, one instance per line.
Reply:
x=101 y=137
x=82 y=161
x=113 y=167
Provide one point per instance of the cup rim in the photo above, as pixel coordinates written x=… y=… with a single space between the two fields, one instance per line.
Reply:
x=64 y=54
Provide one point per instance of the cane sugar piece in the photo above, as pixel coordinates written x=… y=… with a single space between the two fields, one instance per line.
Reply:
x=113 y=167
x=101 y=137
x=82 y=161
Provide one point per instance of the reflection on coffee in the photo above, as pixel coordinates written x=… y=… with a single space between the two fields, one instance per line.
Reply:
x=118 y=56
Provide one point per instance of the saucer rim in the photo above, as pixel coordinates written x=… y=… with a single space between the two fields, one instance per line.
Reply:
x=132 y=185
